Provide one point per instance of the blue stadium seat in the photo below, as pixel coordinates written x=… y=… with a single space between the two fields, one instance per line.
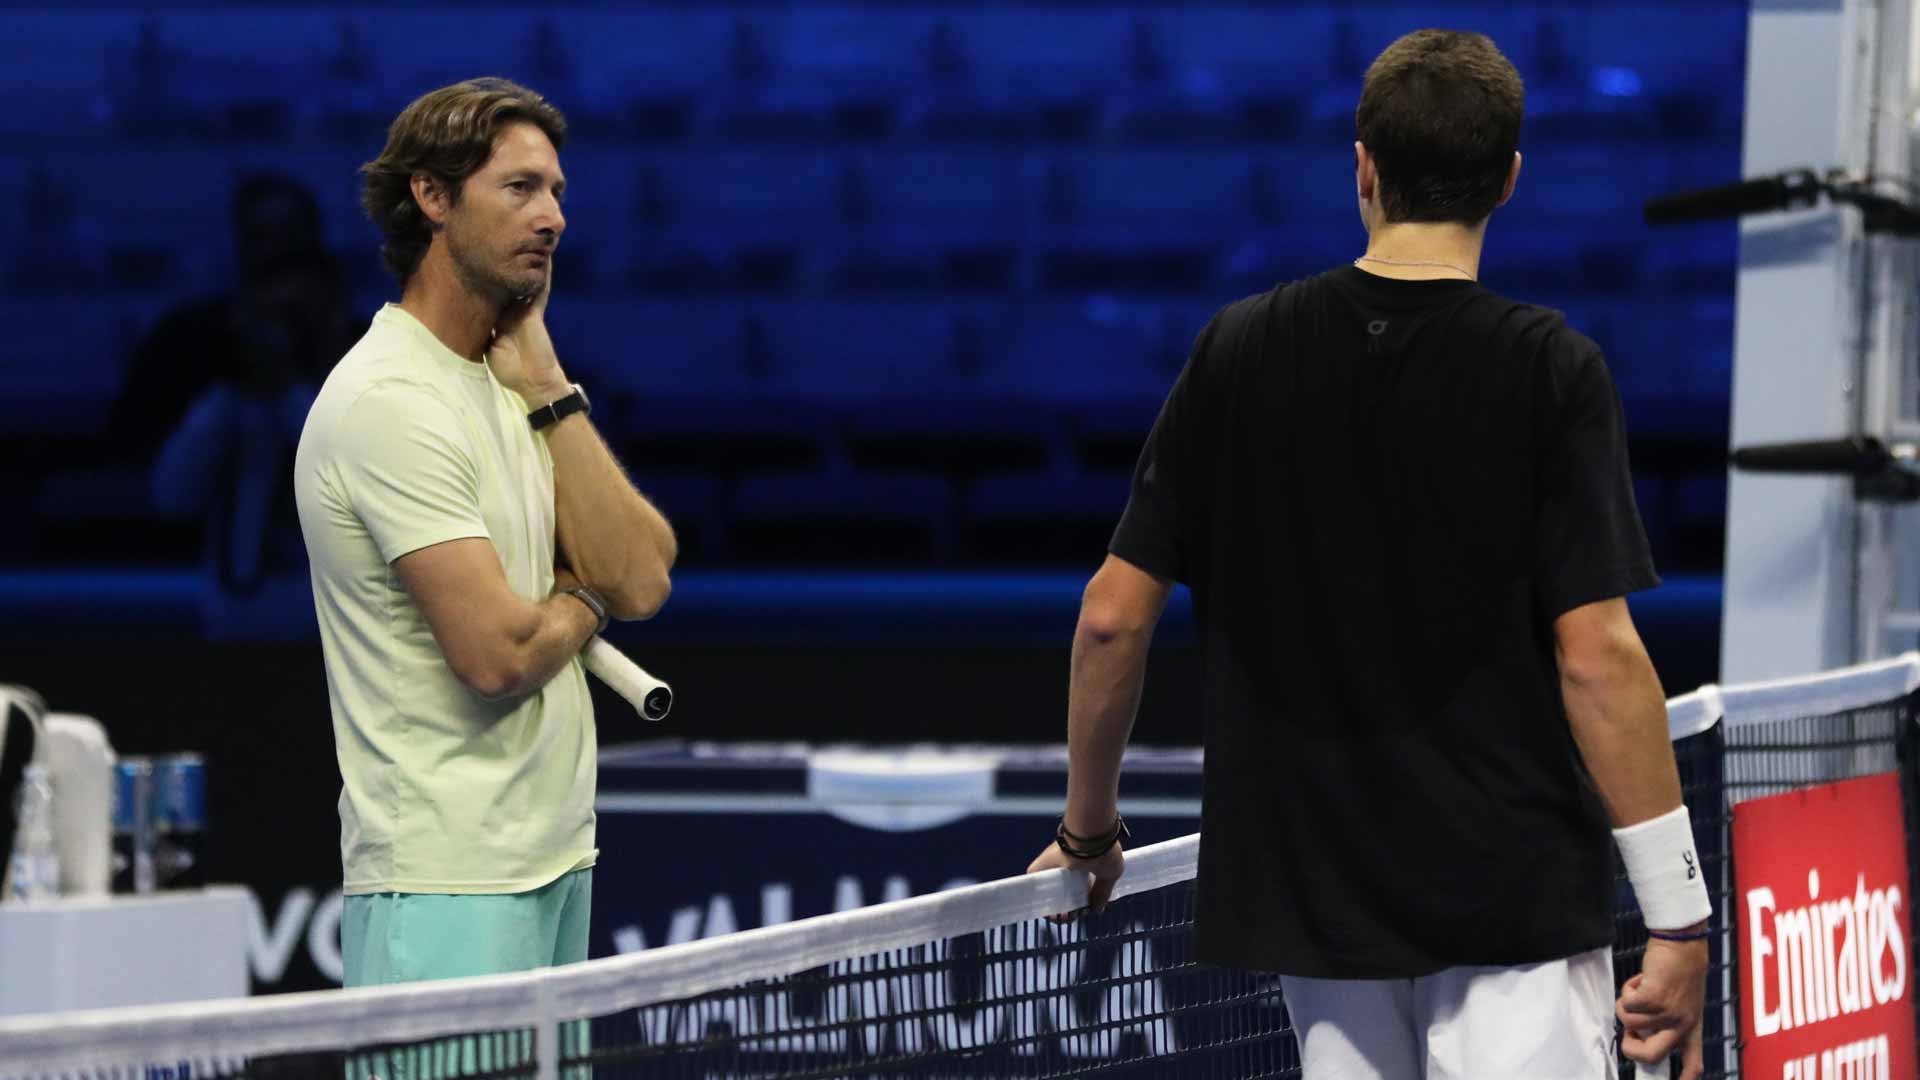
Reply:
x=1045 y=516
x=1533 y=252
x=1700 y=260
x=842 y=354
x=1248 y=50
x=693 y=500
x=1654 y=348
x=656 y=350
x=685 y=383
x=93 y=494
x=831 y=515
x=40 y=63
x=1140 y=198
x=1048 y=52
x=947 y=197
x=762 y=194
x=1037 y=495
x=1100 y=350
x=64 y=358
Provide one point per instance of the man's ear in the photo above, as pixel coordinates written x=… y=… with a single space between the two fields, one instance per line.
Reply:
x=432 y=198
x=1365 y=176
x=1513 y=179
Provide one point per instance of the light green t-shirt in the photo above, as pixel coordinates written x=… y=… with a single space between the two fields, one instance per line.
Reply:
x=410 y=445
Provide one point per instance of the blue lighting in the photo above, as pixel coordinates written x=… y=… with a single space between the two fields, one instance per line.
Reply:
x=1616 y=82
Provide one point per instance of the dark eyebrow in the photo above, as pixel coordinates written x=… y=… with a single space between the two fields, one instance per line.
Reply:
x=536 y=176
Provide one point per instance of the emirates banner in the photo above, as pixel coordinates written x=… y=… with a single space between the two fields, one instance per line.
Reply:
x=1823 y=899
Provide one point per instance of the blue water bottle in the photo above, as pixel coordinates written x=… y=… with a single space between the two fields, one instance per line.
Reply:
x=180 y=817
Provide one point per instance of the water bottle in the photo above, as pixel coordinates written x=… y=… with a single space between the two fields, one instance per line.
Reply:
x=35 y=868
x=133 y=826
x=180 y=820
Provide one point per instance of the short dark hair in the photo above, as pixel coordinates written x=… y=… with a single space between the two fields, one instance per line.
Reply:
x=447 y=135
x=1440 y=112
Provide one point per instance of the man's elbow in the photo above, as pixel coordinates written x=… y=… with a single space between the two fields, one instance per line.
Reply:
x=641 y=596
x=1104 y=622
x=669 y=549
x=493 y=679
x=1610 y=661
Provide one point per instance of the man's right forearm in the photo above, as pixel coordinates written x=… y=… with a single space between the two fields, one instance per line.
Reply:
x=1618 y=715
x=552 y=634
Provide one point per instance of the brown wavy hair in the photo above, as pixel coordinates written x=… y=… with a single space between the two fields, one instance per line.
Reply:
x=1440 y=112
x=447 y=135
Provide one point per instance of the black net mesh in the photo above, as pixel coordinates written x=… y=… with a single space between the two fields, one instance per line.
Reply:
x=1115 y=994
x=497 y=1055
x=1786 y=755
x=485 y=1055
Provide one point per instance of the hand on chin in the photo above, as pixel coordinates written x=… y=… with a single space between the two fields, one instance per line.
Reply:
x=522 y=355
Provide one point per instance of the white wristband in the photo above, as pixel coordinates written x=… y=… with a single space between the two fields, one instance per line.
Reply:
x=1665 y=871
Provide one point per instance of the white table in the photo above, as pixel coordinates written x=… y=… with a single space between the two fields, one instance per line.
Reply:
x=185 y=945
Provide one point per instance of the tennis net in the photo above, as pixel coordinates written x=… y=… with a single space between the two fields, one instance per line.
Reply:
x=968 y=983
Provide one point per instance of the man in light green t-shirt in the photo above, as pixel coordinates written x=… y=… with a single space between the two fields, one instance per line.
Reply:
x=469 y=532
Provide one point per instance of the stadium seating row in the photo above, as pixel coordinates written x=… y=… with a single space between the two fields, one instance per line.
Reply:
x=785 y=70
x=839 y=353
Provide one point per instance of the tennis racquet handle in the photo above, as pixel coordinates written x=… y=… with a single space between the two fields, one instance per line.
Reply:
x=649 y=696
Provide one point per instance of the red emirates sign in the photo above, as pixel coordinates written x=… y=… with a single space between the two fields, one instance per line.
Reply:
x=1823 y=898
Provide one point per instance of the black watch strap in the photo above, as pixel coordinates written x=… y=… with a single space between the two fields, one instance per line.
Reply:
x=552 y=413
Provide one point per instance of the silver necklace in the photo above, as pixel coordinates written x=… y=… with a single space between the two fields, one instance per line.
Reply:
x=1416 y=262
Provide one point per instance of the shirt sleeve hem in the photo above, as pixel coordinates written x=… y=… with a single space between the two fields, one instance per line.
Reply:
x=1153 y=563
x=412 y=542
x=1620 y=582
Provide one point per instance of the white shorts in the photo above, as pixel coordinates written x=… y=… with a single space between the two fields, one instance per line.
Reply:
x=1551 y=1021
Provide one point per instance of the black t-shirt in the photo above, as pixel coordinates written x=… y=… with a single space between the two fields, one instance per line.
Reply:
x=1382 y=493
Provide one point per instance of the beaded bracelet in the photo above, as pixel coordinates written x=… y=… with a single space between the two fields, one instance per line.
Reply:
x=1090 y=847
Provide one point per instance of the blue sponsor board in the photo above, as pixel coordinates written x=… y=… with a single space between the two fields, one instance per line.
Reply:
x=703 y=839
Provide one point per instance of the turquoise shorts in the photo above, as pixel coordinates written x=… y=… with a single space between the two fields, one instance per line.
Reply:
x=408 y=937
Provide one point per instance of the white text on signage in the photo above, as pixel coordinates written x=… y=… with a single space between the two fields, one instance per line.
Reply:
x=1828 y=955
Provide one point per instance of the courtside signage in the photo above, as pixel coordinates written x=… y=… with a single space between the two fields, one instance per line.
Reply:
x=1822 y=899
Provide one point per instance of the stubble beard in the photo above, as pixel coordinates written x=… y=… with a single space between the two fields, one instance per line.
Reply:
x=480 y=276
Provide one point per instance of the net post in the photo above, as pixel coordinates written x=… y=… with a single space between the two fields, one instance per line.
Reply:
x=1730 y=1040
x=546 y=1032
x=1907 y=754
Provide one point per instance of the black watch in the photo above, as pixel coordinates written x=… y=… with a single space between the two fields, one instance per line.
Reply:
x=552 y=413
x=593 y=601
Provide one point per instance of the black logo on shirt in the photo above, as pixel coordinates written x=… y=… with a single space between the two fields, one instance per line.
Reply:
x=1692 y=870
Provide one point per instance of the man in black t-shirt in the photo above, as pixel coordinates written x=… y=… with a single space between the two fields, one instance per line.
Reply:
x=1403 y=507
